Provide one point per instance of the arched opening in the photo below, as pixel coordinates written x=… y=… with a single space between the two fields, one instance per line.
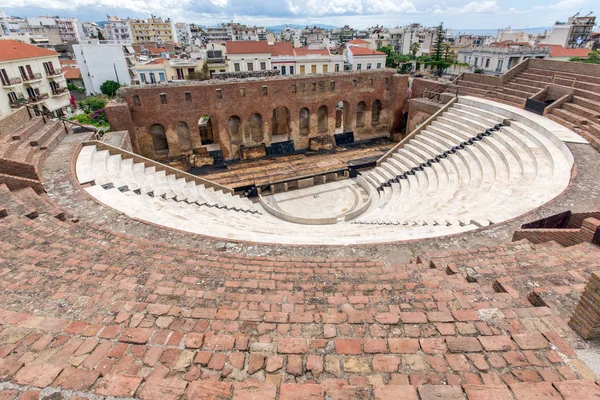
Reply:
x=304 y=122
x=376 y=112
x=205 y=126
x=183 y=136
x=234 y=124
x=360 y=113
x=280 y=124
x=323 y=120
x=256 y=128
x=343 y=121
x=159 y=138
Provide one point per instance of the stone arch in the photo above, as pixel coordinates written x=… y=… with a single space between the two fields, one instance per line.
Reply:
x=304 y=121
x=183 y=136
x=206 y=128
x=159 y=138
x=234 y=124
x=323 y=119
x=343 y=120
x=256 y=127
x=376 y=112
x=280 y=123
x=361 y=109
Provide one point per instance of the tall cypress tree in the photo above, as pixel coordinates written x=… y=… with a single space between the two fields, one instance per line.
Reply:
x=439 y=43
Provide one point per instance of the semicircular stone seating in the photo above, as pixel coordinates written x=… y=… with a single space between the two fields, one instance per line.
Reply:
x=479 y=163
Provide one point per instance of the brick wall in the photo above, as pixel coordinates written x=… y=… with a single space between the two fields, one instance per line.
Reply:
x=586 y=318
x=242 y=98
x=576 y=219
x=419 y=110
x=8 y=123
x=10 y=167
x=15 y=182
x=565 y=237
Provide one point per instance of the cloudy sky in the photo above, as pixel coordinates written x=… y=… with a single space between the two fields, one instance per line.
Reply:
x=456 y=14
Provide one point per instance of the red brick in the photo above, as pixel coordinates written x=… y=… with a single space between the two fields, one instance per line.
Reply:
x=463 y=344
x=37 y=375
x=348 y=346
x=578 y=390
x=292 y=346
x=413 y=317
x=300 y=391
x=458 y=362
x=219 y=342
x=497 y=343
x=274 y=363
x=439 y=316
x=487 y=392
x=441 y=392
x=294 y=365
x=433 y=345
x=560 y=344
x=535 y=391
x=237 y=360
x=375 y=345
x=387 y=318
x=254 y=391
x=76 y=379
x=217 y=361
x=208 y=390
x=403 y=346
x=227 y=314
x=194 y=340
x=203 y=357
x=136 y=335
x=396 y=392
x=465 y=315
x=118 y=385
x=255 y=363
x=385 y=363
x=527 y=375
x=531 y=341
x=8 y=367
x=162 y=389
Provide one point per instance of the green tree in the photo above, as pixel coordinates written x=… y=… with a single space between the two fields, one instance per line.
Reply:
x=593 y=58
x=414 y=49
x=110 y=88
x=92 y=103
x=439 y=42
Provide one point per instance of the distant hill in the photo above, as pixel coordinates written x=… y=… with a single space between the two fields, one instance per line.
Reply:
x=101 y=23
x=279 y=28
x=494 y=32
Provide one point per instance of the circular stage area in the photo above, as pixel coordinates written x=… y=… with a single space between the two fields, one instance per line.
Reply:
x=319 y=205
x=479 y=163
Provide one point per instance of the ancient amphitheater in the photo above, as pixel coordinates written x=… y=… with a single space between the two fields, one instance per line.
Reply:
x=461 y=262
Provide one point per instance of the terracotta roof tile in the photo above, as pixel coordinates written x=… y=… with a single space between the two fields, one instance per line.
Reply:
x=358 y=41
x=71 y=73
x=282 y=49
x=15 y=50
x=560 y=51
x=302 y=51
x=361 y=51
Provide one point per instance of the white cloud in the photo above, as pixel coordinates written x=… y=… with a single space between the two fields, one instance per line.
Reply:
x=219 y=3
x=391 y=6
x=480 y=7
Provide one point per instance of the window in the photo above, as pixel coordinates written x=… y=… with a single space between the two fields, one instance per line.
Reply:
x=23 y=73
x=236 y=67
x=304 y=122
x=302 y=69
x=332 y=86
x=243 y=92
x=325 y=68
x=375 y=112
x=48 y=68
x=136 y=100
x=294 y=88
x=163 y=98
x=250 y=66
x=369 y=65
x=219 y=94
x=378 y=65
x=159 y=138
x=265 y=90
x=500 y=65
x=4 y=77
x=291 y=70
x=12 y=97
x=283 y=70
x=358 y=67
x=487 y=62
x=337 y=67
x=263 y=66
x=152 y=77
x=161 y=76
x=180 y=73
x=188 y=96
x=313 y=69
x=476 y=60
x=360 y=113
x=143 y=77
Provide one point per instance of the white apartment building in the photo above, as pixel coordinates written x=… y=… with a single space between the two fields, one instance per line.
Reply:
x=118 y=30
x=32 y=76
x=499 y=57
x=360 y=58
x=183 y=34
x=100 y=61
x=572 y=34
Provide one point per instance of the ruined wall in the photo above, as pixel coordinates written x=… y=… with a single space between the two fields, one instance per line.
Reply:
x=419 y=111
x=251 y=103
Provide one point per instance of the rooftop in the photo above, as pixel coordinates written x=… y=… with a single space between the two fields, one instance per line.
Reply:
x=362 y=51
x=15 y=50
x=560 y=51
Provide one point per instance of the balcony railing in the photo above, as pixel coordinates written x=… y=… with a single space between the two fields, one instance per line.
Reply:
x=35 y=77
x=54 y=72
x=19 y=103
x=40 y=97
x=11 y=81
x=60 y=90
x=215 y=60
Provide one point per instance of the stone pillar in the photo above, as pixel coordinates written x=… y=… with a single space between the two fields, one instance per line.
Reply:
x=586 y=318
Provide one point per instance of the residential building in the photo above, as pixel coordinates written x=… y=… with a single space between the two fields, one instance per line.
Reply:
x=561 y=53
x=101 y=61
x=219 y=34
x=43 y=31
x=68 y=30
x=9 y=26
x=572 y=34
x=183 y=34
x=197 y=34
x=152 y=30
x=215 y=56
x=118 y=30
x=178 y=69
x=402 y=38
x=512 y=35
x=88 y=30
x=361 y=58
x=499 y=57
x=31 y=75
x=152 y=72
x=255 y=56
